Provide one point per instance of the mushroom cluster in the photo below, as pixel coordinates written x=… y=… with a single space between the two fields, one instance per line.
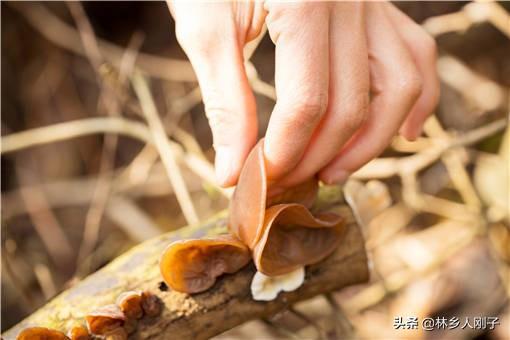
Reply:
x=277 y=231
x=111 y=322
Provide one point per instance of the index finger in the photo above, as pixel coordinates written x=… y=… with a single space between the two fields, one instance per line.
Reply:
x=300 y=33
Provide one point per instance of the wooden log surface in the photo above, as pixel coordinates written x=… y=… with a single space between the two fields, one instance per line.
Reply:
x=227 y=304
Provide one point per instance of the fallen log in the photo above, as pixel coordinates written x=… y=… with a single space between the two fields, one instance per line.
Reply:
x=227 y=304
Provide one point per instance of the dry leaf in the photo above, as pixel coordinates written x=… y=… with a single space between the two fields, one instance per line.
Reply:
x=367 y=200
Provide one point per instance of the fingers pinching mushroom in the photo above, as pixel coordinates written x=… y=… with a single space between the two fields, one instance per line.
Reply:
x=41 y=333
x=281 y=231
x=192 y=266
x=105 y=319
x=277 y=227
x=293 y=238
x=248 y=205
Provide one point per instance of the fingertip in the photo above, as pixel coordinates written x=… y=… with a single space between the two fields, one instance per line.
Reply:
x=224 y=167
x=410 y=131
x=334 y=176
x=230 y=158
x=278 y=163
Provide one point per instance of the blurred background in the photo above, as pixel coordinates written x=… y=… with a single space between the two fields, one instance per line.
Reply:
x=81 y=184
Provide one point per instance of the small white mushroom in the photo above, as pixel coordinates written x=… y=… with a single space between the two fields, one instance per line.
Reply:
x=266 y=288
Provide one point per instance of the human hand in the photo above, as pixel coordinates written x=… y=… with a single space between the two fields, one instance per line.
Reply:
x=348 y=75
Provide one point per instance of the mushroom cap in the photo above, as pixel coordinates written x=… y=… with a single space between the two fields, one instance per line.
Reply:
x=279 y=229
x=304 y=193
x=78 y=332
x=293 y=238
x=41 y=333
x=192 y=266
x=105 y=319
x=251 y=198
x=118 y=333
x=130 y=303
x=248 y=203
x=151 y=304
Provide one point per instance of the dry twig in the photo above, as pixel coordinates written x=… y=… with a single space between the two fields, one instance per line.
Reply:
x=66 y=37
x=164 y=148
x=73 y=129
x=103 y=186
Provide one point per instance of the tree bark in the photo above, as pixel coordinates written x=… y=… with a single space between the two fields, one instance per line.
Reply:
x=227 y=304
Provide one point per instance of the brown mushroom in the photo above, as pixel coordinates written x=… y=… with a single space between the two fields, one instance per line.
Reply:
x=151 y=304
x=130 y=325
x=118 y=333
x=192 y=266
x=248 y=205
x=250 y=200
x=105 y=319
x=286 y=235
x=304 y=193
x=294 y=238
x=283 y=237
x=130 y=303
x=78 y=332
x=41 y=333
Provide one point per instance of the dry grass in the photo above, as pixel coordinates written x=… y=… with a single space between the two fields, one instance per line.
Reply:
x=435 y=228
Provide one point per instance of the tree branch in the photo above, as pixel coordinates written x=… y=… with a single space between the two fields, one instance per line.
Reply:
x=203 y=315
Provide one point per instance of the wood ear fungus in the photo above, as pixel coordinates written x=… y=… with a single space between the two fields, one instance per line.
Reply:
x=151 y=305
x=130 y=303
x=192 y=266
x=248 y=205
x=277 y=228
x=105 y=319
x=294 y=238
x=288 y=236
x=78 y=332
x=41 y=333
x=118 y=333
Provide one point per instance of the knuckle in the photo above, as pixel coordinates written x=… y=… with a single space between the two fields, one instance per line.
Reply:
x=309 y=109
x=219 y=119
x=354 y=112
x=408 y=84
x=222 y=122
x=429 y=46
x=194 y=39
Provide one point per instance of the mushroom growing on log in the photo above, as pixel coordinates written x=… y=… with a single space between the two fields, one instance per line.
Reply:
x=192 y=266
x=105 y=319
x=78 y=332
x=201 y=316
x=151 y=304
x=130 y=303
x=279 y=229
x=41 y=333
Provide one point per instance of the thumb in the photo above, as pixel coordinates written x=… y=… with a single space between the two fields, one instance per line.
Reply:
x=216 y=56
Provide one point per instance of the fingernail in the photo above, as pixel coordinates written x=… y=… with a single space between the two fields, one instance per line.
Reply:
x=418 y=132
x=339 y=176
x=223 y=165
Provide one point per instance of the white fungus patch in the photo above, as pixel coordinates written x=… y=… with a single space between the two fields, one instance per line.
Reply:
x=267 y=288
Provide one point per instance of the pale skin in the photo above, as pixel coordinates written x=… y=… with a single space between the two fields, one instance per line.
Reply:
x=349 y=76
